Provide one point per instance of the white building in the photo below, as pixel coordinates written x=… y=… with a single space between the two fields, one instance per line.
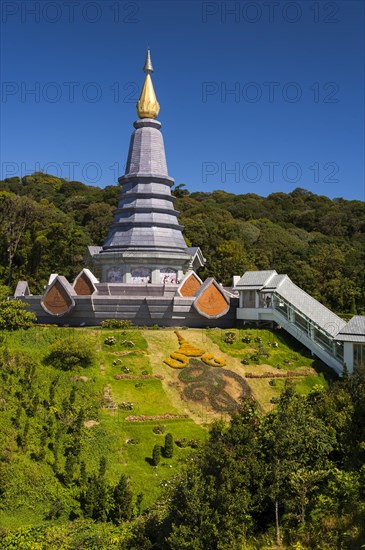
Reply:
x=267 y=296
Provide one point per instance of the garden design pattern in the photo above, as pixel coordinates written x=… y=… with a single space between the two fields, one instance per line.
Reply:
x=205 y=383
x=180 y=359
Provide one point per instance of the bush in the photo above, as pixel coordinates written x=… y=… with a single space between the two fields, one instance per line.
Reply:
x=116 y=324
x=13 y=315
x=111 y=323
x=156 y=455
x=159 y=429
x=230 y=338
x=127 y=343
x=169 y=446
x=182 y=442
x=66 y=354
x=110 y=341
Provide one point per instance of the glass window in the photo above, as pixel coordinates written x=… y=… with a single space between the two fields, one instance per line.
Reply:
x=359 y=355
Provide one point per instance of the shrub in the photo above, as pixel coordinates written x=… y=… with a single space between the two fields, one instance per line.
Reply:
x=244 y=362
x=182 y=442
x=111 y=323
x=110 y=341
x=156 y=455
x=127 y=343
x=230 y=337
x=272 y=382
x=13 y=315
x=159 y=429
x=69 y=353
x=169 y=446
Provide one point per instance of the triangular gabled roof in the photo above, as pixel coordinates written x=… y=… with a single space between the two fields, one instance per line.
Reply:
x=59 y=297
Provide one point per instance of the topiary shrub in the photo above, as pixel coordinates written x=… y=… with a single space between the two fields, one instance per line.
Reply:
x=230 y=337
x=156 y=455
x=169 y=446
x=159 y=429
x=127 y=343
x=111 y=323
x=69 y=353
x=182 y=442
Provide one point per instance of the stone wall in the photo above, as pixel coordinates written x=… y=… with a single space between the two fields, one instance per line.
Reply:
x=168 y=311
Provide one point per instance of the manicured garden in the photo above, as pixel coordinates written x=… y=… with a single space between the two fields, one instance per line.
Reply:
x=75 y=397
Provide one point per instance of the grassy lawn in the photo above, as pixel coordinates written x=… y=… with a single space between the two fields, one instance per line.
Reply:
x=289 y=353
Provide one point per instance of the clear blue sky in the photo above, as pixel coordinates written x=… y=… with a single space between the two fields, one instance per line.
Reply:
x=255 y=96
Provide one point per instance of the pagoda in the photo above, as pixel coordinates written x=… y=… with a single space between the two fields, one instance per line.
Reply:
x=145 y=242
x=144 y=272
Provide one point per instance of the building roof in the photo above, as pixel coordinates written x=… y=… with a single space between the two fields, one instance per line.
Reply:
x=310 y=307
x=275 y=281
x=353 y=331
x=255 y=279
x=93 y=250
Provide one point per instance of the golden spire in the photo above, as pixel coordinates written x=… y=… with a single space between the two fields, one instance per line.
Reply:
x=147 y=105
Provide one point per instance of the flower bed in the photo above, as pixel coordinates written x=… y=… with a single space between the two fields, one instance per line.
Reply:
x=137 y=377
x=167 y=416
x=203 y=383
x=180 y=359
x=289 y=374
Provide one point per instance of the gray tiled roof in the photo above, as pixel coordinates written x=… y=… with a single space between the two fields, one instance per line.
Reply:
x=255 y=279
x=354 y=330
x=310 y=307
x=146 y=219
x=94 y=250
x=275 y=282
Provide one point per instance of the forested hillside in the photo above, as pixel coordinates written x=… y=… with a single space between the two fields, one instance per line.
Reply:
x=47 y=222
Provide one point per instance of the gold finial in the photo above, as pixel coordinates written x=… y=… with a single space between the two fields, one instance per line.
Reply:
x=147 y=105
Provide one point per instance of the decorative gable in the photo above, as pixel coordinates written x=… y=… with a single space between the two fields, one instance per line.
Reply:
x=211 y=300
x=189 y=285
x=58 y=298
x=84 y=284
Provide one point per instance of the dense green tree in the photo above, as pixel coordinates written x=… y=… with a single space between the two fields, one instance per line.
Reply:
x=68 y=353
x=16 y=215
x=122 y=501
x=156 y=455
x=169 y=446
x=14 y=315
